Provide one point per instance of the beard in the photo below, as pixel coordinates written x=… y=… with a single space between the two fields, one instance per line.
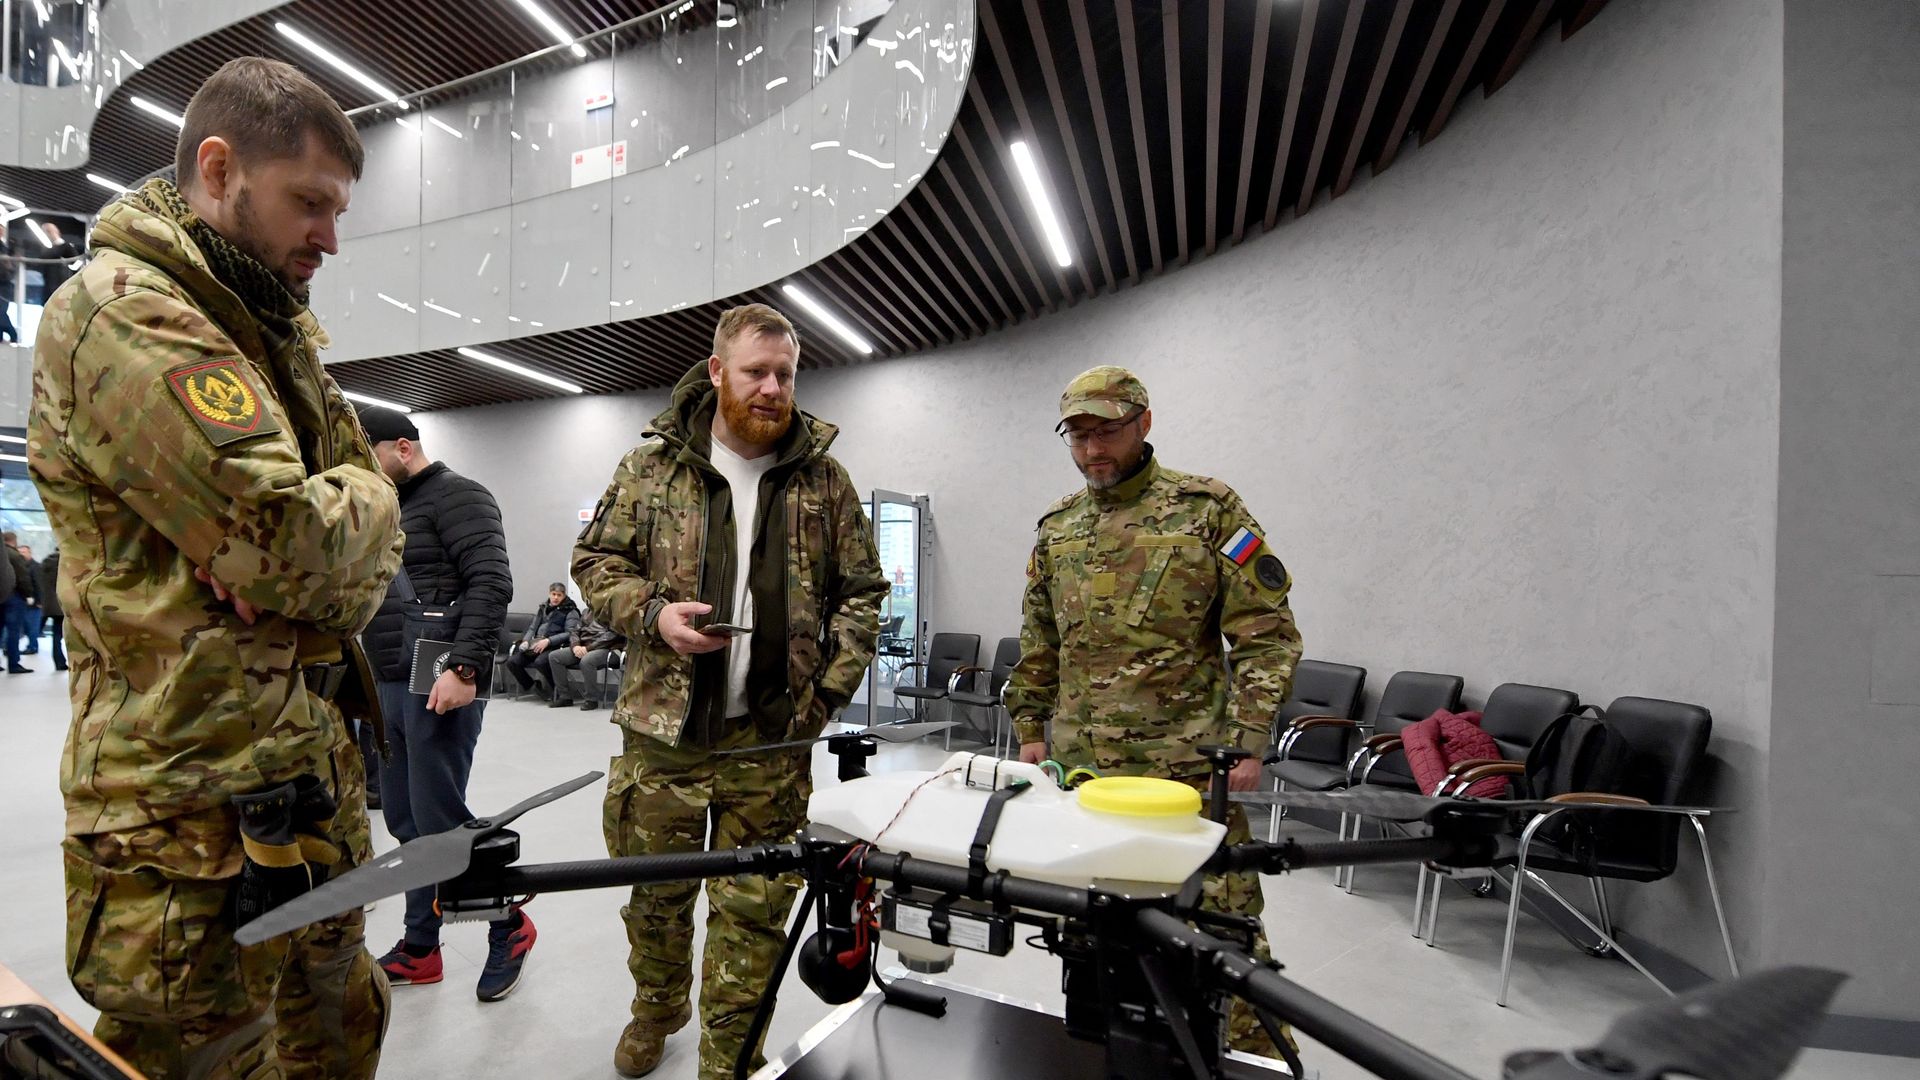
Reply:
x=1117 y=467
x=738 y=412
x=248 y=239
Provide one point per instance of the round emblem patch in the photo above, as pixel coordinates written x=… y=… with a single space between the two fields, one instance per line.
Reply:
x=1271 y=572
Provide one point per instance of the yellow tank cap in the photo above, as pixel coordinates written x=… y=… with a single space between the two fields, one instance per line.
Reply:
x=1139 y=796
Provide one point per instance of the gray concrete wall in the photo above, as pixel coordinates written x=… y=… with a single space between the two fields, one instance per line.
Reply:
x=1844 y=808
x=1509 y=410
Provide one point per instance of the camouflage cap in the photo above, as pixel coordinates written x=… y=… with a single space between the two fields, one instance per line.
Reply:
x=1106 y=391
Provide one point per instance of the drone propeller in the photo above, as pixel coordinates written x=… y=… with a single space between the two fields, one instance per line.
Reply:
x=429 y=860
x=894 y=733
x=1384 y=803
x=1747 y=1029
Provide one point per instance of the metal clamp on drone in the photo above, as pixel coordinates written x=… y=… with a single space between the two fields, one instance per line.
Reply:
x=927 y=862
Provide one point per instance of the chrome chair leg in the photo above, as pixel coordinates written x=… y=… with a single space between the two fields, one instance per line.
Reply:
x=1433 y=914
x=1713 y=889
x=1602 y=913
x=1420 y=898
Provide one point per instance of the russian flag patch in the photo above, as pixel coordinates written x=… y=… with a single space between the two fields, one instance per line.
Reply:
x=1242 y=546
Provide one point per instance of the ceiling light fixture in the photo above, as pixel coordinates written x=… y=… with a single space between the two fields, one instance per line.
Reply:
x=13 y=439
x=551 y=25
x=151 y=109
x=137 y=65
x=39 y=233
x=448 y=128
x=1041 y=203
x=14 y=215
x=14 y=457
x=106 y=183
x=10 y=200
x=523 y=372
x=828 y=319
x=338 y=63
x=378 y=403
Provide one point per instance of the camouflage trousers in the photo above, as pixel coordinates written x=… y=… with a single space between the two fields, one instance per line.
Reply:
x=662 y=799
x=1239 y=894
x=150 y=944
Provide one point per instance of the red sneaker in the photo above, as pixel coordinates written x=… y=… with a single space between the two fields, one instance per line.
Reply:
x=406 y=970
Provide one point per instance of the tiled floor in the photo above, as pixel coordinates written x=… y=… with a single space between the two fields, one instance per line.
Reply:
x=563 y=1021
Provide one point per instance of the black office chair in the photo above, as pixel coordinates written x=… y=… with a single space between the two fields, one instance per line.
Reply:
x=1629 y=834
x=1313 y=731
x=1410 y=697
x=948 y=654
x=1516 y=714
x=1005 y=656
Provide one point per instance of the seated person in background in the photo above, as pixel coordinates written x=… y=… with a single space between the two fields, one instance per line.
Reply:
x=594 y=648
x=553 y=626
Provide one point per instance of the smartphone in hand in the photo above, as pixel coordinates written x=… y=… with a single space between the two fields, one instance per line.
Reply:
x=722 y=629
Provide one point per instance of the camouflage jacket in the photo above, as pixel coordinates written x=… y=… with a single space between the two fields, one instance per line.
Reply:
x=657 y=537
x=173 y=426
x=1130 y=592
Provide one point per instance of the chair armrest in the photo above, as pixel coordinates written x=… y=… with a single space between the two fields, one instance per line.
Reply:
x=1459 y=767
x=953 y=684
x=1597 y=798
x=1383 y=744
x=1285 y=737
x=1491 y=768
x=1306 y=723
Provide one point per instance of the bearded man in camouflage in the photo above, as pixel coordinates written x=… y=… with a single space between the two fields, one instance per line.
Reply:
x=730 y=512
x=1145 y=591
x=225 y=532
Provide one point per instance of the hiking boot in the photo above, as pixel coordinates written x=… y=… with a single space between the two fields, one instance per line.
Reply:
x=508 y=944
x=405 y=969
x=640 y=1049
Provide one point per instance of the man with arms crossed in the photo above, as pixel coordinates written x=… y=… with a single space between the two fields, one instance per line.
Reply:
x=731 y=511
x=225 y=533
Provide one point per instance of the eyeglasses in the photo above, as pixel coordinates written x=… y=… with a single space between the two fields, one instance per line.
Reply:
x=1106 y=432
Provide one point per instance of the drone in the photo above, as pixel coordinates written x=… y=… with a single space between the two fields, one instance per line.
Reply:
x=1148 y=974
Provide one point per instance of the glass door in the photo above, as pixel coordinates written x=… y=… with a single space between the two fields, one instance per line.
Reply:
x=900 y=534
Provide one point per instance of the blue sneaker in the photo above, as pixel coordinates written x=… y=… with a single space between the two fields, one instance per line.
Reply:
x=507 y=947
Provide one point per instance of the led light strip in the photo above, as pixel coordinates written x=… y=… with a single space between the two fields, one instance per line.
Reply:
x=828 y=319
x=340 y=64
x=523 y=372
x=379 y=403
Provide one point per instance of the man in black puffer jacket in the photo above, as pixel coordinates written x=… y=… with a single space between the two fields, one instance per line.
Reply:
x=456 y=554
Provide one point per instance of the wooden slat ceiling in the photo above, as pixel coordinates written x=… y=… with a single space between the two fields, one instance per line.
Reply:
x=1168 y=129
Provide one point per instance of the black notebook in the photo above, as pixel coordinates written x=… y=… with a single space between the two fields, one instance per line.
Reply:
x=430 y=659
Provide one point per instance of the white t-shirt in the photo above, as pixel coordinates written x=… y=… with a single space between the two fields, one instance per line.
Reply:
x=743 y=478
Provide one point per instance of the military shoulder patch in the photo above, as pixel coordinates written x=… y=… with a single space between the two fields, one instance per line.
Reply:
x=1271 y=571
x=222 y=400
x=1242 y=546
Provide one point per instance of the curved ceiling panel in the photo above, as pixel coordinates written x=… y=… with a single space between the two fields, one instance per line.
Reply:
x=65 y=57
x=1167 y=129
x=687 y=167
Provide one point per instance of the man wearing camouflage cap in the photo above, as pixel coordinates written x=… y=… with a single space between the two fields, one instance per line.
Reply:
x=1134 y=584
x=225 y=532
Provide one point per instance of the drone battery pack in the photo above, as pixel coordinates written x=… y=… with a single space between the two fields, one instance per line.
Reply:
x=962 y=923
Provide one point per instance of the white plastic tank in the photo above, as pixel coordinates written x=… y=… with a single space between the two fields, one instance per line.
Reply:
x=1117 y=829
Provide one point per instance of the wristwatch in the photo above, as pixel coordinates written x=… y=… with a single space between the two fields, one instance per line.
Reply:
x=464 y=672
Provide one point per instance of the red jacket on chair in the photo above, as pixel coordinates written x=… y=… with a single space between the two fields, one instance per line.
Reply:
x=1444 y=738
